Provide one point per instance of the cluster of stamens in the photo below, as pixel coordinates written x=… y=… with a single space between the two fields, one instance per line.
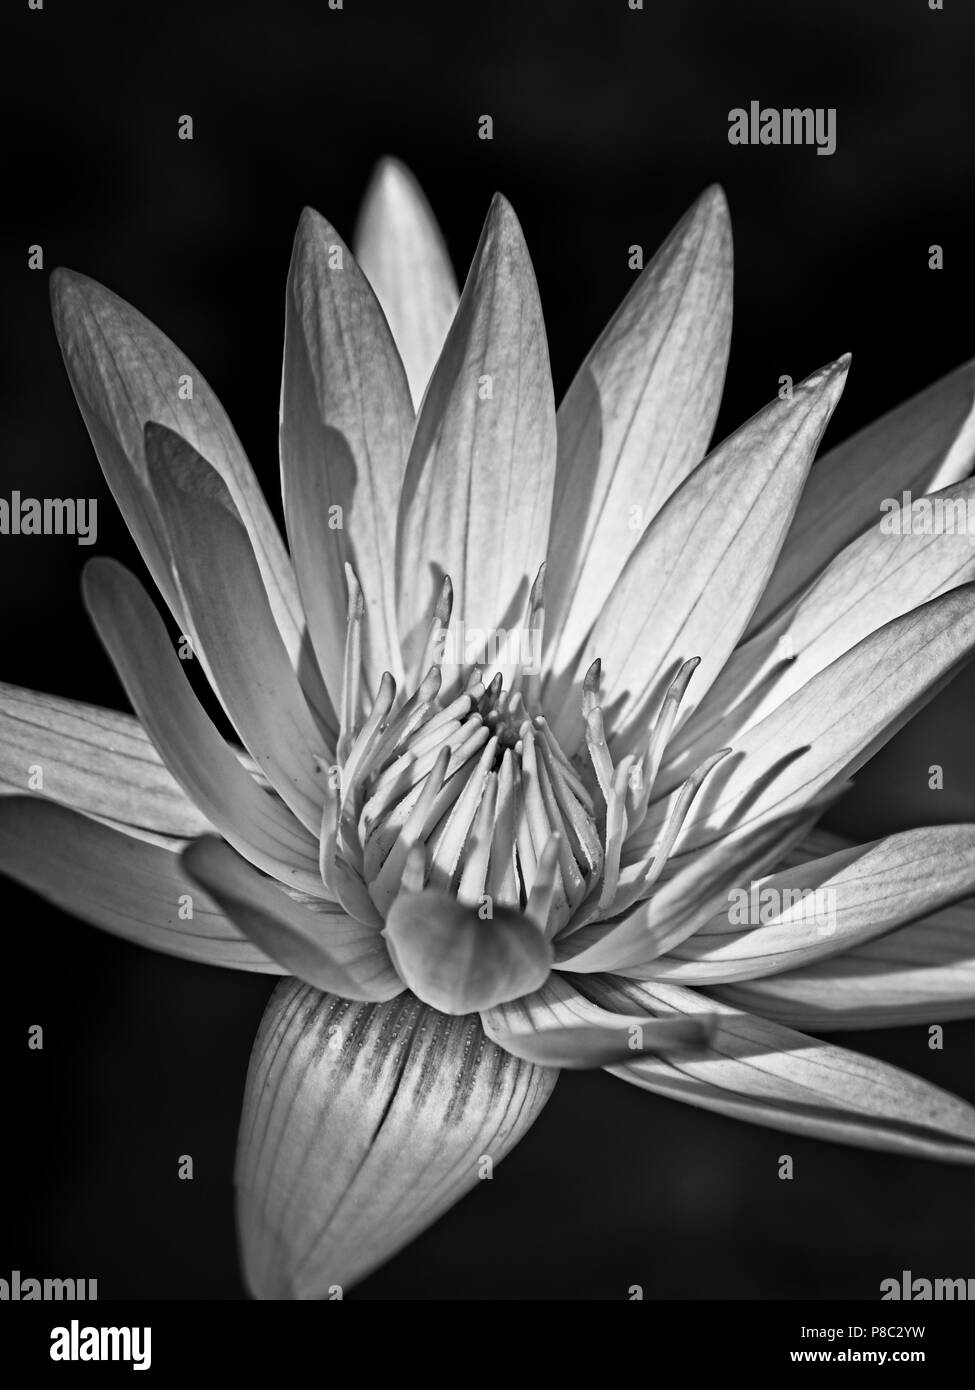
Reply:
x=464 y=788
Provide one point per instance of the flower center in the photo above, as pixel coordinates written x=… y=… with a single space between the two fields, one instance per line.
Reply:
x=465 y=789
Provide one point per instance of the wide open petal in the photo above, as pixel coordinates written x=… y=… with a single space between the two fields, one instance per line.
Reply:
x=877 y=577
x=759 y=1071
x=923 y=973
x=638 y=417
x=824 y=907
x=690 y=585
x=827 y=730
x=362 y=1124
x=257 y=823
x=233 y=631
x=924 y=444
x=399 y=247
x=93 y=759
x=346 y=425
x=128 y=885
x=124 y=372
x=478 y=487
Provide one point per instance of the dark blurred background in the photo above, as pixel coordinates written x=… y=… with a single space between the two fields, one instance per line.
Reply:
x=607 y=124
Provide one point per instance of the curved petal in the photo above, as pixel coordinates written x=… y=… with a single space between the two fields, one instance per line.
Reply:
x=124 y=373
x=232 y=626
x=926 y=443
x=316 y=941
x=690 y=586
x=346 y=425
x=638 y=417
x=362 y=1124
x=399 y=247
x=759 y=1071
x=120 y=882
x=458 y=962
x=256 y=823
x=557 y=1026
x=94 y=759
x=833 y=724
x=824 y=907
x=879 y=576
x=478 y=488
x=923 y=973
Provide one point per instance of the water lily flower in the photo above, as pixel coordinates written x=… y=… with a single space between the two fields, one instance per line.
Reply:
x=529 y=700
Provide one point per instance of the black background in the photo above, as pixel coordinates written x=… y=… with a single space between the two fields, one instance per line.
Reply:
x=607 y=124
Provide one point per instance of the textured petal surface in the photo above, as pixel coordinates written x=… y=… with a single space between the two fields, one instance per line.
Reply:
x=232 y=627
x=316 y=941
x=693 y=580
x=93 y=759
x=924 y=444
x=876 y=578
x=478 y=488
x=362 y=1123
x=923 y=973
x=124 y=373
x=638 y=416
x=346 y=425
x=826 y=906
x=558 y=1026
x=254 y=821
x=399 y=246
x=827 y=730
x=759 y=1071
x=126 y=884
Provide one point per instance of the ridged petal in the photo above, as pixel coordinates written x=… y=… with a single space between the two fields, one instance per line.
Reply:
x=120 y=882
x=924 y=444
x=362 y=1123
x=557 y=1026
x=829 y=728
x=256 y=823
x=316 y=941
x=876 y=578
x=478 y=487
x=759 y=1071
x=92 y=759
x=855 y=895
x=230 y=620
x=399 y=246
x=923 y=973
x=638 y=417
x=124 y=373
x=690 y=586
x=346 y=425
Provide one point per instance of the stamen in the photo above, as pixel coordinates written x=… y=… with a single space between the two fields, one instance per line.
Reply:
x=352 y=672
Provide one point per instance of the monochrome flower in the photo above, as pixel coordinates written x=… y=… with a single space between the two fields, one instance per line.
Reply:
x=528 y=699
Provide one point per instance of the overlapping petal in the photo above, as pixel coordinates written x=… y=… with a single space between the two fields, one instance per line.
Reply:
x=128 y=884
x=690 y=585
x=638 y=417
x=93 y=759
x=760 y=1071
x=399 y=246
x=478 y=487
x=362 y=1124
x=346 y=425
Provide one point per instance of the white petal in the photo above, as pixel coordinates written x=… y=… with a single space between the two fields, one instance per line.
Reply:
x=399 y=246
x=362 y=1123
